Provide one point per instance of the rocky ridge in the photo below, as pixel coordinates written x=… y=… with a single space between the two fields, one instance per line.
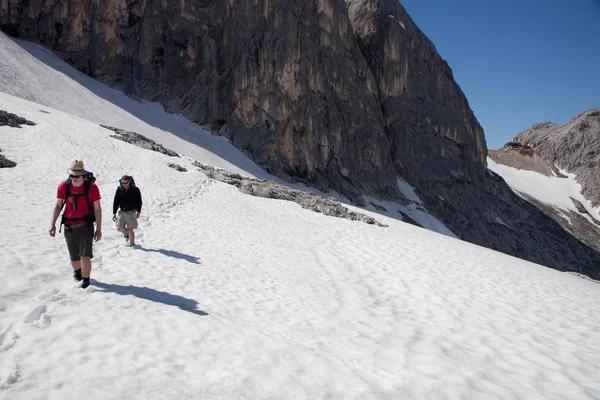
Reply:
x=272 y=190
x=580 y=224
x=136 y=139
x=574 y=147
x=12 y=120
x=522 y=159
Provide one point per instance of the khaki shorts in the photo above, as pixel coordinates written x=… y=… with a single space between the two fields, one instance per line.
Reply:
x=127 y=219
x=80 y=241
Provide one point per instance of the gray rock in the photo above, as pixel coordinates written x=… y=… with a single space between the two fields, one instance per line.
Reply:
x=177 y=167
x=574 y=147
x=5 y=162
x=582 y=276
x=516 y=146
x=140 y=141
x=580 y=207
x=12 y=120
x=271 y=190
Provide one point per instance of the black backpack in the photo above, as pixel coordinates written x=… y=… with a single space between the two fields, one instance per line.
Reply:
x=88 y=179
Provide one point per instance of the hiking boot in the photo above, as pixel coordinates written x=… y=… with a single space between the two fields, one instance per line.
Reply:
x=77 y=275
x=126 y=235
x=85 y=283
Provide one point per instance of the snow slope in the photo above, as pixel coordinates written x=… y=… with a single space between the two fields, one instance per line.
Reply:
x=231 y=296
x=547 y=189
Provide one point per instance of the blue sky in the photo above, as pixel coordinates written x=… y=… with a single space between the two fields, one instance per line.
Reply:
x=518 y=62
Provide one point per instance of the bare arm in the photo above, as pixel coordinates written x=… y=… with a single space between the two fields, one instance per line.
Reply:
x=139 y=205
x=98 y=215
x=55 y=214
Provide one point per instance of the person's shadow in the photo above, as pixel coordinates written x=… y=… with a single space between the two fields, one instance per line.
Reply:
x=146 y=293
x=172 y=253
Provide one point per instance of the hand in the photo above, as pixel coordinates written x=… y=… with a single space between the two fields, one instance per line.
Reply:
x=137 y=215
x=114 y=217
x=52 y=231
x=98 y=235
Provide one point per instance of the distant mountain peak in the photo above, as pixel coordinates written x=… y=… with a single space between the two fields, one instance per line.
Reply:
x=574 y=147
x=543 y=125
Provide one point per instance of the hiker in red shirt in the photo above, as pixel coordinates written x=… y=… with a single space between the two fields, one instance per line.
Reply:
x=81 y=198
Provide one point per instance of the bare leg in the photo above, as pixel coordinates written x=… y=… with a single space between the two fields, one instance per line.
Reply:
x=86 y=267
x=121 y=228
x=131 y=236
x=76 y=265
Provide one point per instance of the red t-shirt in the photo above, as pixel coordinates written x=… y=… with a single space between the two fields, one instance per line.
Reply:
x=82 y=206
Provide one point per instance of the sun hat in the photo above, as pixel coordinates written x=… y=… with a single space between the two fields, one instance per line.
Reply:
x=77 y=168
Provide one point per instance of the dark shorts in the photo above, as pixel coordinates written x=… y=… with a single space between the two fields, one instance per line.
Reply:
x=79 y=241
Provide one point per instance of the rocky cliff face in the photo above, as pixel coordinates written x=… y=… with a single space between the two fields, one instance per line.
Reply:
x=284 y=80
x=434 y=134
x=574 y=147
x=340 y=95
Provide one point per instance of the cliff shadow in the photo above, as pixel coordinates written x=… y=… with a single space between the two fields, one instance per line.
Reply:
x=150 y=113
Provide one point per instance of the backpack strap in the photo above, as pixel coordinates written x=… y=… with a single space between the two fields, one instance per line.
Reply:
x=90 y=215
x=62 y=219
x=86 y=188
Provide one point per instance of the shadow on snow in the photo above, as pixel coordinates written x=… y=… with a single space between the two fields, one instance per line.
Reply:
x=174 y=254
x=152 y=295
